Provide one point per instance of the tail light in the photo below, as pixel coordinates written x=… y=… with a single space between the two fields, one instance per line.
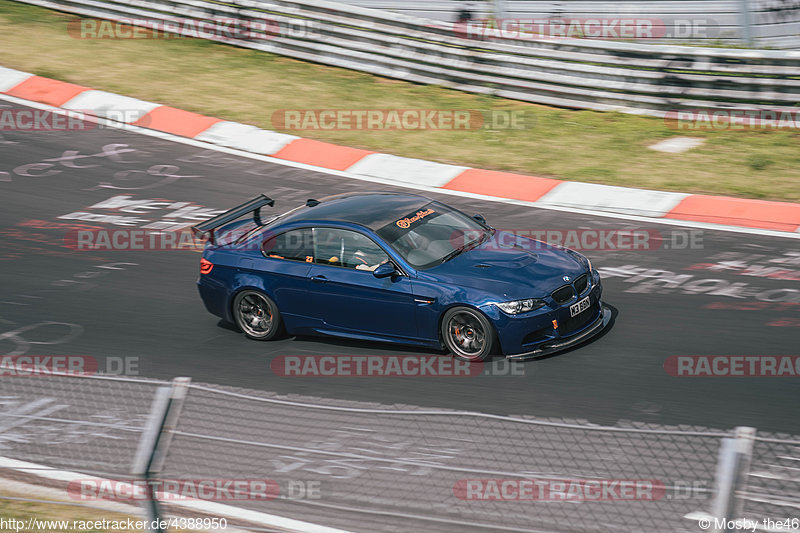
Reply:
x=206 y=266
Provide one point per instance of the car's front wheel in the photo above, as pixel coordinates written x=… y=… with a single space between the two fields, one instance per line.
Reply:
x=468 y=334
x=256 y=315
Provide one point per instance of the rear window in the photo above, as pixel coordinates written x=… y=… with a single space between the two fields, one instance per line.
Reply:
x=293 y=245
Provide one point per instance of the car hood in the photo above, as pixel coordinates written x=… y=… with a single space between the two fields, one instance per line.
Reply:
x=518 y=268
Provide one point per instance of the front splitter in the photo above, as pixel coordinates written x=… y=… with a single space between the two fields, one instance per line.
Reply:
x=599 y=325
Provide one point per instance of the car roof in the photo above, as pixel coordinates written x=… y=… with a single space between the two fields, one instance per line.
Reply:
x=373 y=210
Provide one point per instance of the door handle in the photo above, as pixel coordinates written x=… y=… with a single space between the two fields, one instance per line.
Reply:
x=319 y=279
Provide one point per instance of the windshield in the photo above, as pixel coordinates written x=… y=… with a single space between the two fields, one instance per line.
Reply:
x=433 y=234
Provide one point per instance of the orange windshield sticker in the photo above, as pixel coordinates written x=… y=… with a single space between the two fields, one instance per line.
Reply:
x=405 y=223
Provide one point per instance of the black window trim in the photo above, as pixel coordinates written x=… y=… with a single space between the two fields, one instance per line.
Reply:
x=399 y=268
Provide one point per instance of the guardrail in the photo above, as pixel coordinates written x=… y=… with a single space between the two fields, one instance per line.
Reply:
x=574 y=73
x=765 y=23
x=367 y=467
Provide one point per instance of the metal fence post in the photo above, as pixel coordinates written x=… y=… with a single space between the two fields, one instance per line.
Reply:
x=499 y=9
x=154 y=442
x=733 y=465
x=746 y=22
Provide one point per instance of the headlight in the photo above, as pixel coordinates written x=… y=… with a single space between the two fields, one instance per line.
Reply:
x=589 y=262
x=520 y=306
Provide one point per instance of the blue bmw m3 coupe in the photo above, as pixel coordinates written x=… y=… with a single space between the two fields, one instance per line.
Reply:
x=397 y=268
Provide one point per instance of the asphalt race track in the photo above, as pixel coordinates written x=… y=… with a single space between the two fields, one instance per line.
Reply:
x=144 y=304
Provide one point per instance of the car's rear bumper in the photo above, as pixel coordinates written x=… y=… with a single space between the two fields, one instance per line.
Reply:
x=556 y=345
x=215 y=295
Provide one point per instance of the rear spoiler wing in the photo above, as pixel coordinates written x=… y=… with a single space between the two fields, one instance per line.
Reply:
x=207 y=227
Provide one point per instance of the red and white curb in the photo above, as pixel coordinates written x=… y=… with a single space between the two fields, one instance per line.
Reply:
x=699 y=210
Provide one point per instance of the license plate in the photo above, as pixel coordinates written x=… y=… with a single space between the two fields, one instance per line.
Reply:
x=579 y=307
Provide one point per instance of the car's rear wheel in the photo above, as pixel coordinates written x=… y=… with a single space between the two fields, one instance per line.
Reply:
x=256 y=315
x=468 y=334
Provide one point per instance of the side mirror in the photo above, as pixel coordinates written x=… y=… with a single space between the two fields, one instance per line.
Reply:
x=385 y=270
x=480 y=219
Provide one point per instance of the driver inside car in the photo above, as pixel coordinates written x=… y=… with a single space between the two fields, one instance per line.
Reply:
x=368 y=261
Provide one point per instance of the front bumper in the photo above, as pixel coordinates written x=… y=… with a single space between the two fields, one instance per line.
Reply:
x=552 y=324
x=566 y=342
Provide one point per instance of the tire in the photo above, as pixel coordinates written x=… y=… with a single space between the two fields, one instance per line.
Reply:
x=468 y=334
x=256 y=315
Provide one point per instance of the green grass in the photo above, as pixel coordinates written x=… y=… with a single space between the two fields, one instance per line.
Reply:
x=248 y=86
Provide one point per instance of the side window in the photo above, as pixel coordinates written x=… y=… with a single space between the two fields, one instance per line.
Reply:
x=294 y=245
x=348 y=249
